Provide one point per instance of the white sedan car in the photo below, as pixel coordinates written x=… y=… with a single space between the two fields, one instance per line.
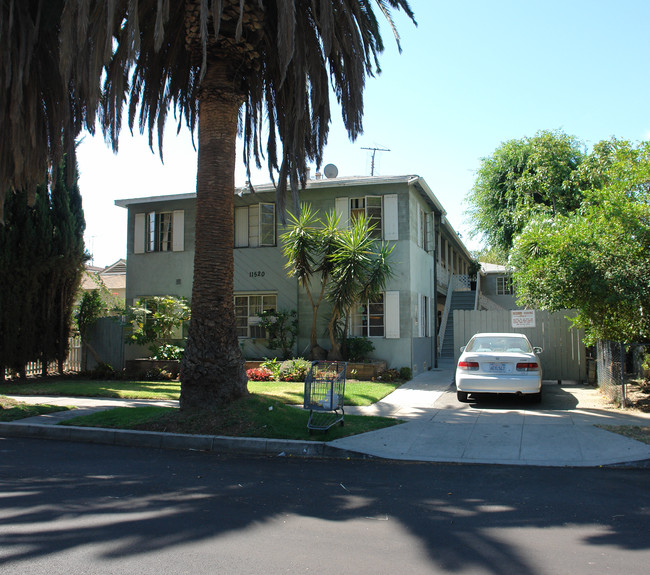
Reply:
x=499 y=363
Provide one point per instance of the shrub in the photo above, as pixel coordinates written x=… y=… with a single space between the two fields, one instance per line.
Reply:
x=167 y=352
x=102 y=371
x=157 y=374
x=259 y=374
x=273 y=365
x=389 y=375
x=294 y=369
x=406 y=373
x=358 y=348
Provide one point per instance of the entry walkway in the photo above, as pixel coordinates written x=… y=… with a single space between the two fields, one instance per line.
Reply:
x=561 y=431
x=557 y=432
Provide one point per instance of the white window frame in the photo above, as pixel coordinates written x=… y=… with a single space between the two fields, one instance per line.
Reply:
x=255 y=225
x=247 y=324
x=423 y=229
x=367 y=317
x=388 y=220
x=159 y=231
x=424 y=328
x=505 y=285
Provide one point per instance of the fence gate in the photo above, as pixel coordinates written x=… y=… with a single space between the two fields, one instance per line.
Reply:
x=563 y=357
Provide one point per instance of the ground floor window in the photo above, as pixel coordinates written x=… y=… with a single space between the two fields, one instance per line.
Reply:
x=367 y=319
x=247 y=310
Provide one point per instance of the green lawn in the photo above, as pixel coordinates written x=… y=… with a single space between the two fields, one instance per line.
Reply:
x=11 y=410
x=253 y=416
x=356 y=392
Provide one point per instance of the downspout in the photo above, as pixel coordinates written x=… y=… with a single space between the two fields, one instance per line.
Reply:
x=434 y=339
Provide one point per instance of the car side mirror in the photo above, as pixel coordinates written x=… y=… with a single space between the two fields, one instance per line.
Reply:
x=538 y=350
x=462 y=349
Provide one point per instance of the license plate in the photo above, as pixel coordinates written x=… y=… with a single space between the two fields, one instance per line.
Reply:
x=497 y=367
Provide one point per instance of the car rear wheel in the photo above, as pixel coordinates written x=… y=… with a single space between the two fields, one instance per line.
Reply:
x=462 y=396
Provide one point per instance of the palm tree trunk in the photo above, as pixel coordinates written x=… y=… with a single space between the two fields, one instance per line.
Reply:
x=212 y=371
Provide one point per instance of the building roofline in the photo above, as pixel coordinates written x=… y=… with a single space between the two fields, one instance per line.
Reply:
x=351 y=181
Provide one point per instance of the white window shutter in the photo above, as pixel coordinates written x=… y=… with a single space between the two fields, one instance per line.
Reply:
x=138 y=234
x=241 y=227
x=178 y=231
x=391 y=220
x=342 y=210
x=392 y=314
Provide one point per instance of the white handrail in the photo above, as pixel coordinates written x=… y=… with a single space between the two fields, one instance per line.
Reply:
x=445 y=314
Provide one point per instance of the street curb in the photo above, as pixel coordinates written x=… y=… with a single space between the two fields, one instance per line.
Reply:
x=164 y=440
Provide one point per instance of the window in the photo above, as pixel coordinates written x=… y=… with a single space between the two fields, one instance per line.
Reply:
x=370 y=206
x=504 y=286
x=423 y=316
x=159 y=232
x=255 y=226
x=367 y=320
x=247 y=310
x=423 y=230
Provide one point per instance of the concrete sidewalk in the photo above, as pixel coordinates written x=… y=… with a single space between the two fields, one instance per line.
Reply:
x=561 y=431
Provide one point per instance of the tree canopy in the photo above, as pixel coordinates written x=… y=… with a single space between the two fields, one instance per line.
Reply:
x=521 y=179
x=595 y=259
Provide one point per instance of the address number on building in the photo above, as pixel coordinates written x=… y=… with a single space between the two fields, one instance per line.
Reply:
x=257 y=274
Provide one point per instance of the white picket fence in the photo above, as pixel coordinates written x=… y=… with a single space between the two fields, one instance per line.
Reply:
x=72 y=362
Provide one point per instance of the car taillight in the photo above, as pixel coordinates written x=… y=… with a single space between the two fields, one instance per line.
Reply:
x=528 y=366
x=468 y=364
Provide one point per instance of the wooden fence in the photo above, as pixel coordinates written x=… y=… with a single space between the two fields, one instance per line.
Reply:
x=563 y=358
x=72 y=362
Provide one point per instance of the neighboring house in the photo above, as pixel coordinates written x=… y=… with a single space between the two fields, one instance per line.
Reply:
x=112 y=278
x=497 y=288
x=428 y=260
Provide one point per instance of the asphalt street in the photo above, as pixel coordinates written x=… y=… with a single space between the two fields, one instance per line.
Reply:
x=82 y=508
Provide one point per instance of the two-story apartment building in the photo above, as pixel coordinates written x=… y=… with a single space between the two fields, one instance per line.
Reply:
x=402 y=323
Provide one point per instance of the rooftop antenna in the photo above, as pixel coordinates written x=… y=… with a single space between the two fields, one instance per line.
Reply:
x=374 y=152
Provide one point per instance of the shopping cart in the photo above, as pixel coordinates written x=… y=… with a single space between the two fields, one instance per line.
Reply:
x=324 y=394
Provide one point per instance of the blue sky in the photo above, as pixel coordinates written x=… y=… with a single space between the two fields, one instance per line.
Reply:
x=473 y=74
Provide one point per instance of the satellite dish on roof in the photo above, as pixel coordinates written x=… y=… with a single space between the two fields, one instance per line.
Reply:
x=331 y=171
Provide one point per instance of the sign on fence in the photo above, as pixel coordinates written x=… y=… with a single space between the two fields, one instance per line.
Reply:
x=522 y=318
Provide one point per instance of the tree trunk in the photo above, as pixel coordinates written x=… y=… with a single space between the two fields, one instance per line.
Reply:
x=212 y=370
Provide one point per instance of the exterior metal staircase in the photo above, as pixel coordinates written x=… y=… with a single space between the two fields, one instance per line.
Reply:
x=459 y=300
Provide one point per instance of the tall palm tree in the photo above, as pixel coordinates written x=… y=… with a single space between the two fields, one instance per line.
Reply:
x=225 y=65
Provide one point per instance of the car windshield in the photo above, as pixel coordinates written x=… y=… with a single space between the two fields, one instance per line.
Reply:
x=499 y=344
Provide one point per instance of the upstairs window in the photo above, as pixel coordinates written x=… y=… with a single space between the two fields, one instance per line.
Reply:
x=505 y=286
x=255 y=226
x=159 y=232
x=371 y=208
x=423 y=229
x=247 y=311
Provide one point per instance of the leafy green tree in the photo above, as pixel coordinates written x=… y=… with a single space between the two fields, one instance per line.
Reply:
x=282 y=328
x=524 y=178
x=154 y=320
x=43 y=246
x=595 y=260
x=91 y=307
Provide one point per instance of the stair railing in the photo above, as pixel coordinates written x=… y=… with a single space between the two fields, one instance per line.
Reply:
x=445 y=314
